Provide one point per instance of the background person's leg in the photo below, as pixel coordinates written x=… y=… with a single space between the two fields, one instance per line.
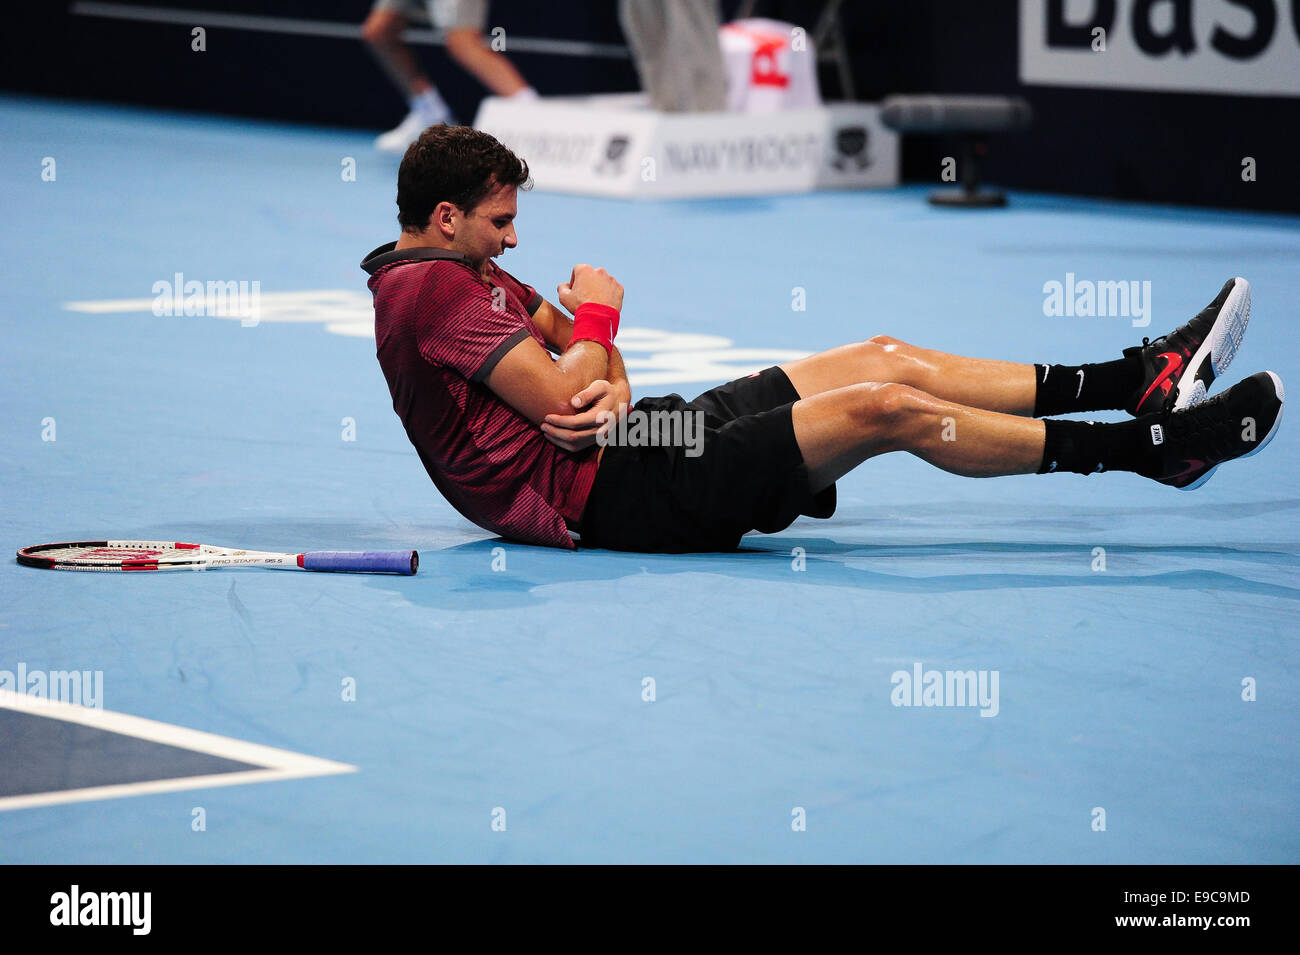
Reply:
x=838 y=430
x=675 y=47
x=467 y=47
x=382 y=32
x=974 y=382
x=463 y=23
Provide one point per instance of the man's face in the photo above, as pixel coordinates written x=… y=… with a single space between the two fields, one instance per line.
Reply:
x=489 y=229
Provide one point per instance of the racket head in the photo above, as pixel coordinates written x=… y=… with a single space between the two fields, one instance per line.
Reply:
x=111 y=555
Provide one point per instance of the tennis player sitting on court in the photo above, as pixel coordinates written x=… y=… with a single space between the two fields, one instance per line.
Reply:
x=509 y=434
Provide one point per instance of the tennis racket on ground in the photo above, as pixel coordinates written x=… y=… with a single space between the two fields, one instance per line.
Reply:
x=167 y=555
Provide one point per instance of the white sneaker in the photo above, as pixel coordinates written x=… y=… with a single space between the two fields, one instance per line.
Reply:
x=408 y=131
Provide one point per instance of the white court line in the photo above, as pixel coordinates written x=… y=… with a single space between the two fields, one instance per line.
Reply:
x=350 y=31
x=275 y=763
x=653 y=356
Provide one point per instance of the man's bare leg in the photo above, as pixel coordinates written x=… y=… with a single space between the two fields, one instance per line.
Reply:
x=382 y=32
x=837 y=430
x=975 y=382
x=493 y=70
x=969 y=416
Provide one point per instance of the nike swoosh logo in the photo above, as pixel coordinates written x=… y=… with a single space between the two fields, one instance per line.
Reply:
x=1192 y=466
x=1173 y=364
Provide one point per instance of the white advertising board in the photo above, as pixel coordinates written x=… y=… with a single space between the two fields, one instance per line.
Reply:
x=613 y=145
x=1249 y=47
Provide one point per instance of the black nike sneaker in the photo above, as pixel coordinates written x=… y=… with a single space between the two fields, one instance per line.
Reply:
x=1178 y=368
x=1235 y=424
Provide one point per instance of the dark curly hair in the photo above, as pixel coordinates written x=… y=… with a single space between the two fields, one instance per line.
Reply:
x=455 y=164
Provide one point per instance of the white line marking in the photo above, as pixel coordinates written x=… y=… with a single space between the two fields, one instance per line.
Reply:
x=276 y=763
x=653 y=356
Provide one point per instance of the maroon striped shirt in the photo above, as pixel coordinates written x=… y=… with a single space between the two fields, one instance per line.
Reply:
x=439 y=332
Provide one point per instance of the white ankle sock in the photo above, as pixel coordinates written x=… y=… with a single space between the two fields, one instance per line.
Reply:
x=431 y=106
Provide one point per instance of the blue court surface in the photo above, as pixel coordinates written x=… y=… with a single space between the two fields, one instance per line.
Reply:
x=521 y=704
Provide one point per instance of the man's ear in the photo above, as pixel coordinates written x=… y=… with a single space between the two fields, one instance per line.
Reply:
x=444 y=219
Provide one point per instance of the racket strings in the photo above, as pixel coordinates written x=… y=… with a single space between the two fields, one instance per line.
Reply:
x=115 y=552
x=107 y=555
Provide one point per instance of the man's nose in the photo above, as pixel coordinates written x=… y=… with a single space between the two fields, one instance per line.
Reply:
x=512 y=239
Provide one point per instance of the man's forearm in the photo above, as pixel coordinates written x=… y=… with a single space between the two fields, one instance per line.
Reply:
x=557 y=330
x=616 y=375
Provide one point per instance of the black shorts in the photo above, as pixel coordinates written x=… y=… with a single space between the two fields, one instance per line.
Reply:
x=749 y=475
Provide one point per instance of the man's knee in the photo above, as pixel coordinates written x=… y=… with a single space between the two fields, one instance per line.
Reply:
x=883 y=340
x=888 y=345
x=382 y=27
x=896 y=360
x=887 y=406
x=890 y=414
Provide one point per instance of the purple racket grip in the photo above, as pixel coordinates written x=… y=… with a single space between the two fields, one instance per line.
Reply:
x=405 y=562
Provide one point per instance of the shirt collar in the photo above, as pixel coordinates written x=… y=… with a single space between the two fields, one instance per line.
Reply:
x=388 y=254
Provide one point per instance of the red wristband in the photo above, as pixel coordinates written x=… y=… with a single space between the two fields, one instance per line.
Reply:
x=593 y=322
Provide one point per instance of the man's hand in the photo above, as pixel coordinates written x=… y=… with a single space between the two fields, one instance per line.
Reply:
x=590 y=285
x=578 y=431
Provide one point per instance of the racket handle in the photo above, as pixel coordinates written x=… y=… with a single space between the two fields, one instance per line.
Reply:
x=405 y=562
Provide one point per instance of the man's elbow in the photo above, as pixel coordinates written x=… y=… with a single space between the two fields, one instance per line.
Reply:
x=559 y=406
x=552 y=400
